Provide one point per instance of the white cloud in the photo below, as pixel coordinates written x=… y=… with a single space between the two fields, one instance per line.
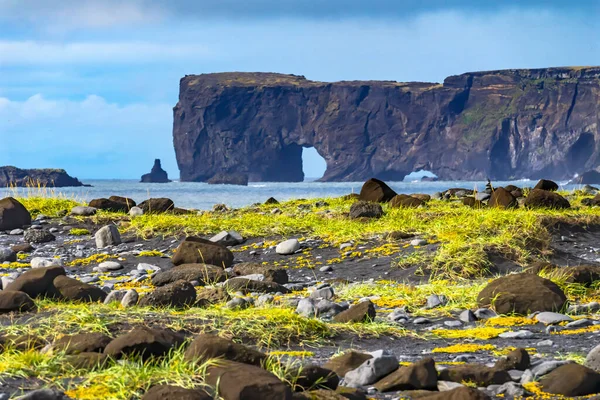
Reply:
x=90 y=138
x=38 y=52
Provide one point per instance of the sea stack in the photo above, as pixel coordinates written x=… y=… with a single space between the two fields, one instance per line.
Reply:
x=156 y=175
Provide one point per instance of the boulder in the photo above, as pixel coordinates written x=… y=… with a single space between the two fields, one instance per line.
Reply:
x=478 y=374
x=206 y=346
x=156 y=175
x=109 y=205
x=194 y=250
x=248 y=285
x=130 y=203
x=287 y=247
x=365 y=209
x=38 y=282
x=271 y=274
x=310 y=377
x=423 y=197
x=36 y=236
x=203 y=273
x=72 y=289
x=373 y=369
x=421 y=375
x=13 y=214
x=177 y=294
x=522 y=294
x=472 y=202
x=544 y=184
x=361 y=312
x=145 y=342
x=94 y=342
x=517 y=359
x=404 y=201
x=238 y=381
x=157 y=205
x=13 y=301
x=83 y=211
x=538 y=198
x=571 y=380
x=502 y=198
x=376 y=191
x=347 y=362
x=107 y=236
x=461 y=393
x=208 y=297
x=87 y=360
x=170 y=392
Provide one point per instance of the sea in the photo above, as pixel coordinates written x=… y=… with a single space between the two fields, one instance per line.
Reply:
x=203 y=196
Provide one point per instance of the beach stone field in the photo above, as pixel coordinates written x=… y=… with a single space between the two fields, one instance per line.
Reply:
x=307 y=299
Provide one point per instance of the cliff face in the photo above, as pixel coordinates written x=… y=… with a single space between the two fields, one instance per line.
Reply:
x=12 y=176
x=507 y=124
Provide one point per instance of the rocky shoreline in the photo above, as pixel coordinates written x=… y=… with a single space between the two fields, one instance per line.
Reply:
x=92 y=293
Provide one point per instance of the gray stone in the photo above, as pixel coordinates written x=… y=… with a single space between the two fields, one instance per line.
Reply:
x=398 y=315
x=434 y=301
x=467 y=316
x=546 y=367
x=237 y=303
x=265 y=299
x=7 y=255
x=38 y=236
x=41 y=262
x=485 y=313
x=579 y=323
x=510 y=389
x=453 y=324
x=130 y=299
x=16 y=232
x=147 y=267
x=326 y=268
x=287 y=247
x=481 y=196
x=326 y=293
x=418 y=242
x=107 y=266
x=522 y=334
x=231 y=238
x=83 y=211
x=551 y=318
x=444 y=386
x=107 y=236
x=550 y=329
x=115 y=296
x=592 y=360
x=545 y=343
x=136 y=212
x=527 y=377
x=306 y=308
x=515 y=374
x=327 y=308
x=420 y=321
x=373 y=369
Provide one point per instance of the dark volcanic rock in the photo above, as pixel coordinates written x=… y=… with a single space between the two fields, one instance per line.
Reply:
x=248 y=286
x=376 y=191
x=205 y=346
x=203 y=273
x=13 y=214
x=195 y=250
x=502 y=198
x=229 y=179
x=82 y=343
x=365 y=209
x=109 y=205
x=571 y=380
x=156 y=175
x=522 y=294
x=545 y=199
x=420 y=375
x=144 y=341
x=169 y=392
x=157 y=205
x=361 y=312
x=11 y=300
x=72 y=289
x=545 y=184
x=405 y=201
x=37 y=282
x=478 y=374
x=12 y=176
x=270 y=273
x=37 y=236
x=347 y=362
x=473 y=126
x=177 y=294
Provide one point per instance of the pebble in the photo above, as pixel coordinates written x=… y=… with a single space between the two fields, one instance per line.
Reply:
x=551 y=318
x=418 y=242
x=136 y=212
x=108 y=266
x=237 y=302
x=265 y=299
x=16 y=232
x=345 y=245
x=147 y=267
x=89 y=279
x=580 y=323
x=306 y=308
x=287 y=247
x=324 y=293
x=522 y=334
x=485 y=313
x=453 y=324
x=420 y=321
x=41 y=262
x=115 y=296
x=130 y=299
x=545 y=343
x=107 y=236
x=467 y=316
x=83 y=211
x=434 y=301
x=551 y=328
x=398 y=316
x=326 y=268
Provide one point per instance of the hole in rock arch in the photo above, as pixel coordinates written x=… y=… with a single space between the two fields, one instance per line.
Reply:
x=419 y=175
x=313 y=164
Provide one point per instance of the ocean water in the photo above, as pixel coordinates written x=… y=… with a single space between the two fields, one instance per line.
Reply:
x=203 y=196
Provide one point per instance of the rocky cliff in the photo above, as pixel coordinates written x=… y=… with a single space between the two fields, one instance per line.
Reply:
x=506 y=124
x=12 y=176
x=156 y=175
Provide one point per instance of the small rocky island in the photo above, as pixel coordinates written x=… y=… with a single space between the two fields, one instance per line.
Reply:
x=156 y=175
x=13 y=176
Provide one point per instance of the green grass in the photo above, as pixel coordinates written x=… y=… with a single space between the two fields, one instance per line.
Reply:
x=465 y=235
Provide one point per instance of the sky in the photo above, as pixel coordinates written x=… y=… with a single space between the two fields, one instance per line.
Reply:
x=89 y=85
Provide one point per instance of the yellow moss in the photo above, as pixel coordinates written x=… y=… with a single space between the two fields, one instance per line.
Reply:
x=587 y=329
x=509 y=321
x=16 y=265
x=464 y=348
x=22 y=256
x=93 y=259
x=79 y=232
x=480 y=333
x=150 y=253
x=506 y=350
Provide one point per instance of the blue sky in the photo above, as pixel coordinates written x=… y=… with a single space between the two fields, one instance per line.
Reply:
x=89 y=85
